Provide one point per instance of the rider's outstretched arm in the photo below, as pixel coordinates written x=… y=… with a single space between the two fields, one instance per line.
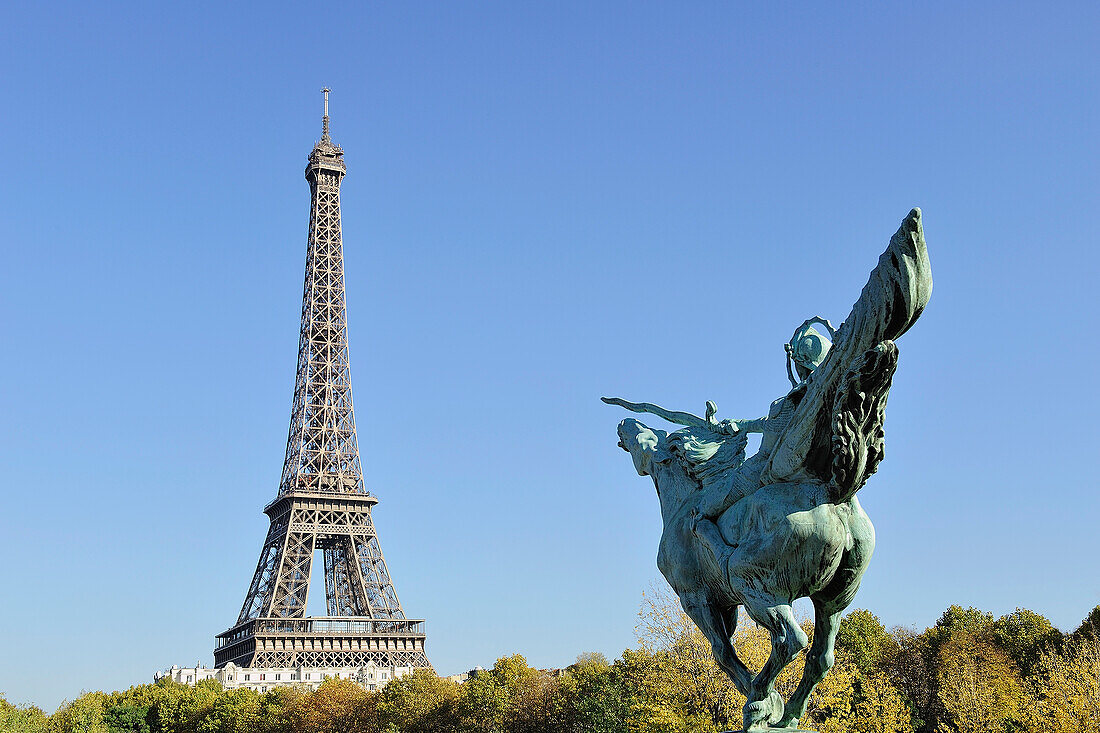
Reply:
x=750 y=426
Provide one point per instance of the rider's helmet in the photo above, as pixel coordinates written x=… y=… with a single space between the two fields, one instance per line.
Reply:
x=808 y=348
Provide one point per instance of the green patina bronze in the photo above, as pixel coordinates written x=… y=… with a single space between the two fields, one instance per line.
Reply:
x=785 y=523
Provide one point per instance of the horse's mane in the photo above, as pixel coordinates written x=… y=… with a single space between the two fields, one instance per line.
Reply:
x=707 y=455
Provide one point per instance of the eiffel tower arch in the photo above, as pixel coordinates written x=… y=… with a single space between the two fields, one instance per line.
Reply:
x=322 y=503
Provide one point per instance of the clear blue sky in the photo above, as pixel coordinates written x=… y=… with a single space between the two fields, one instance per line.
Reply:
x=545 y=203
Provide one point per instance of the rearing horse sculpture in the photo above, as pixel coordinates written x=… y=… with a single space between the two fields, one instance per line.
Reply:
x=786 y=523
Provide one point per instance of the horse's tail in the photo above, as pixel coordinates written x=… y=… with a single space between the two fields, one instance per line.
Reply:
x=859 y=408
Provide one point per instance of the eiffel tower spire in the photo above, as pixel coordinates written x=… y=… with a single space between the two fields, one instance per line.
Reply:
x=322 y=503
x=322 y=453
x=324 y=120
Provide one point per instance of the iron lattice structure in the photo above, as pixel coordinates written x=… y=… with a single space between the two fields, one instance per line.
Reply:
x=322 y=503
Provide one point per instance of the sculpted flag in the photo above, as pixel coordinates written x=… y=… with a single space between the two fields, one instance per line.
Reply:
x=817 y=444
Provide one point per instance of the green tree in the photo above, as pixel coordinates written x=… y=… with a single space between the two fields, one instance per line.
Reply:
x=512 y=697
x=912 y=670
x=421 y=702
x=180 y=708
x=865 y=642
x=914 y=667
x=1024 y=635
x=595 y=696
x=126 y=718
x=850 y=700
x=138 y=696
x=233 y=711
x=281 y=709
x=878 y=706
x=970 y=619
x=1090 y=627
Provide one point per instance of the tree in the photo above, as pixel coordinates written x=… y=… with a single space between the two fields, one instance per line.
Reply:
x=850 y=700
x=970 y=619
x=876 y=705
x=15 y=719
x=1024 y=634
x=127 y=718
x=912 y=670
x=1090 y=627
x=82 y=715
x=1067 y=684
x=688 y=674
x=588 y=658
x=865 y=642
x=980 y=688
x=233 y=711
x=336 y=706
x=179 y=708
x=421 y=702
x=595 y=696
x=511 y=697
x=656 y=706
x=127 y=702
x=281 y=709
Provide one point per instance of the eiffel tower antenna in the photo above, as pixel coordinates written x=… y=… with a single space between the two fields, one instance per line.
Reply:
x=322 y=503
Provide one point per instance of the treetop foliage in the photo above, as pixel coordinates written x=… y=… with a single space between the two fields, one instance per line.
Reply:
x=968 y=673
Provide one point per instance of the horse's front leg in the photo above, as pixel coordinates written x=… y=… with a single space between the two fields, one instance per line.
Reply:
x=818 y=662
x=718 y=626
x=788 y=639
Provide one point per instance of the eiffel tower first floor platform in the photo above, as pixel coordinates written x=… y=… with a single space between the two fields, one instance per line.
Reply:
x=323 y=642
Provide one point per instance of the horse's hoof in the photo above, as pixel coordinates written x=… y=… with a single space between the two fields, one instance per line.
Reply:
x=756 y=715
x=776 y=702
x=761 y=714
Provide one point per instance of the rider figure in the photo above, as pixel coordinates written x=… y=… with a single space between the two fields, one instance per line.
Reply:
x=807 y=348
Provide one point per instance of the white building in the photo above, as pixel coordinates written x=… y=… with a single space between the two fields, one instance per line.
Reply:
x=262 y=679
x=465 y=676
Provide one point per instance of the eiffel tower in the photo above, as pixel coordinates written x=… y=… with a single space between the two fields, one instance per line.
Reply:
x=322 y=503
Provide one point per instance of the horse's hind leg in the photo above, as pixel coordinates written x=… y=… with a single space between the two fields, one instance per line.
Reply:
x=788 y=639
x=718 y=626
x=819 y=660
x=829 y=604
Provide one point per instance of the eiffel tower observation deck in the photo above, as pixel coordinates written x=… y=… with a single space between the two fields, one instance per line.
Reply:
x=322 y=503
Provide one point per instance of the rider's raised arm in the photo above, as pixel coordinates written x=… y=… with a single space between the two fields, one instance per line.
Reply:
x=673 y=416
x=747 y=426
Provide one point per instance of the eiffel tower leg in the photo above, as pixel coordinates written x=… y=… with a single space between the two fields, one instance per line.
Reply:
x=343 y=583
x=365 y=621
x=376 y=579
x=292 y=585
x=259 y=592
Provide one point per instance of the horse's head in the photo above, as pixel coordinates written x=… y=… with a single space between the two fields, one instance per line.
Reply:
x=644 y=444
